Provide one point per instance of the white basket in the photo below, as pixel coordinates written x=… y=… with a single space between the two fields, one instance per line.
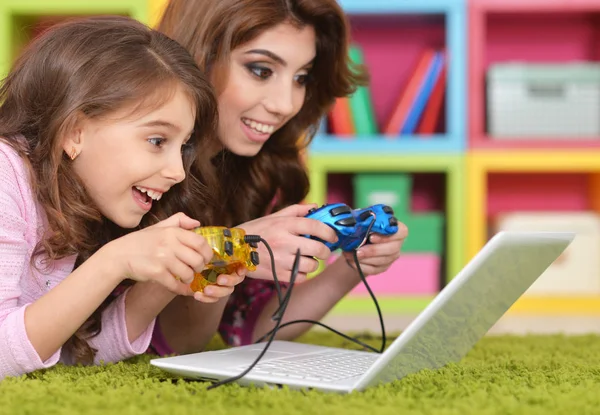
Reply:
x=544 y=101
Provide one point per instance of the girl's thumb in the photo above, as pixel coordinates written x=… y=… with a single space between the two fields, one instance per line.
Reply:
x=180 y=220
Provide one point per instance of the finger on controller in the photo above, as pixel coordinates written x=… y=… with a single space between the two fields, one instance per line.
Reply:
x=232 y=250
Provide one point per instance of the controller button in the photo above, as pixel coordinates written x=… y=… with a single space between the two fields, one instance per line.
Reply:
x=339 y=210
x=388 y=209
x=254 y=257
x=346 y=222
x=312 y=210
x=227 y=233
x=228 y=248
x=393 y=221
x=364 y=215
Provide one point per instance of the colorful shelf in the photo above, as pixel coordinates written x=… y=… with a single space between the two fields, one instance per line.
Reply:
x=476 y=34
x=17 y=17
x=481 y=163
x=406 y=28
x=569 y=34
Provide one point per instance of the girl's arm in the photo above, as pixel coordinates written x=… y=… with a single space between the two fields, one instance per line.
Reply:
x=128 y=322
x=52 y=319
x=32 y=330
x=311 y=300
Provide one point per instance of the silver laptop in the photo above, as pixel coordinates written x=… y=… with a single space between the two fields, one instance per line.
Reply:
x=457 y=318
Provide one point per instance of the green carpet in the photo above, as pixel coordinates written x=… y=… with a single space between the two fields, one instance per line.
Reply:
x=501 y=375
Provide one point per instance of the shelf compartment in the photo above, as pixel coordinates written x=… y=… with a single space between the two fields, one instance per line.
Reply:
x=407 y=29
x=531 y=32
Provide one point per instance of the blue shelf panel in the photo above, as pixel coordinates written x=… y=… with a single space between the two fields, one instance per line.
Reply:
x=366 y=7
x=456 y=46
x=442 y=143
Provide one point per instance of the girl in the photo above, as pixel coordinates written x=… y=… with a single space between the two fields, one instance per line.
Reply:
x=277 y=67
x=102 y=125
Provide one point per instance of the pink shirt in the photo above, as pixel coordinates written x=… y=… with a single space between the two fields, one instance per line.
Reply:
x=21 y=284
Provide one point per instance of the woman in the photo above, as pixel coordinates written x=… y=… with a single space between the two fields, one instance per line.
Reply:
x=277 y=67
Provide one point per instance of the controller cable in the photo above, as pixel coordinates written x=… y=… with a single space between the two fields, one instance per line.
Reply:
x=283 y=302
x=363 y=279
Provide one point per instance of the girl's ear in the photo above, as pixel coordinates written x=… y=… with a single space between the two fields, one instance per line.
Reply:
x=73 y=136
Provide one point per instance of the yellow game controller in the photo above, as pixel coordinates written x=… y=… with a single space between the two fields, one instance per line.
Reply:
x=230 y=252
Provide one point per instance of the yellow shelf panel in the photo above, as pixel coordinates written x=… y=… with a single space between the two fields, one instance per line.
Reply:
x=587 y=306
x=535 y=160
x=526 y=305
x=156 y=8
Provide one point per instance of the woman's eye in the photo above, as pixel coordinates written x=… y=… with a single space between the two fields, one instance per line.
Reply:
x=157 y=141
x=186 y=147
x=260 y=71
x=303 y=79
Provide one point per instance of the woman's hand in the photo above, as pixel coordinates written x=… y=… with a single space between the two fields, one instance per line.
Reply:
x=168 y=253
x=285 y=232
x=377 y=256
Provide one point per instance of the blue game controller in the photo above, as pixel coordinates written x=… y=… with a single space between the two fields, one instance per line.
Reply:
x=353 y=227
x=383 y=215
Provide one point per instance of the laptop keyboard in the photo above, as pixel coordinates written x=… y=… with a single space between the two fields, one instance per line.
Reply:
x=324 y=366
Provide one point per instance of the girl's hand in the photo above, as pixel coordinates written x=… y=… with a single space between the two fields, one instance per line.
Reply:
x=167 y=253
x=223 y=288
x=377 y=256
x=284 y=231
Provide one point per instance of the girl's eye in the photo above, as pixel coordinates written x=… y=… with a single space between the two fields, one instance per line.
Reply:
x=260 y=71
x=157 y=141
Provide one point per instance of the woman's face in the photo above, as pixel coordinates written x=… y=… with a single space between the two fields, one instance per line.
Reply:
x=265 y=86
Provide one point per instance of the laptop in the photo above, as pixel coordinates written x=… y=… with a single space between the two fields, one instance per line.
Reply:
x=444 y=332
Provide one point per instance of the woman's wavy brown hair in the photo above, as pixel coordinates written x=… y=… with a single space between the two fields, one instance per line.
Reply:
x=95 y=67
x=210 y=30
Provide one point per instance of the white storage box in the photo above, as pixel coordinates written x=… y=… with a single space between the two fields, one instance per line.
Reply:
x=577 y=270
x=543 y=100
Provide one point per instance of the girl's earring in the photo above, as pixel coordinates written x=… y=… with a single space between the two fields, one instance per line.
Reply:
x=73 y=153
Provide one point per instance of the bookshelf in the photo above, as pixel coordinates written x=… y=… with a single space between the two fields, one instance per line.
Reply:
x=406 y=28
x=549 y=174
x=462 y=171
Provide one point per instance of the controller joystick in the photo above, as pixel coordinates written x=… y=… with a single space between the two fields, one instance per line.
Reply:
x=230 y=252
x=383 y=215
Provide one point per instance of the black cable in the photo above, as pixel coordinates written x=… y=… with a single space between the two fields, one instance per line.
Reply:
x=277 y=316
x=283 y=302
x=256 y=239
x=352 y=339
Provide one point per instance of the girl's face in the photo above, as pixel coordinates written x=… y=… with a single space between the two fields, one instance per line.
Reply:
x=128 y=161
x=265 y=86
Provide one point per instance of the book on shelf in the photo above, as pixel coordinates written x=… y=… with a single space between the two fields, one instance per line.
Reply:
x=416 y=111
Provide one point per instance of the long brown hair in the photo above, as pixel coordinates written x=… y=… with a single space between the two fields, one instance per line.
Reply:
x=97 y=66
x=210 y=30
